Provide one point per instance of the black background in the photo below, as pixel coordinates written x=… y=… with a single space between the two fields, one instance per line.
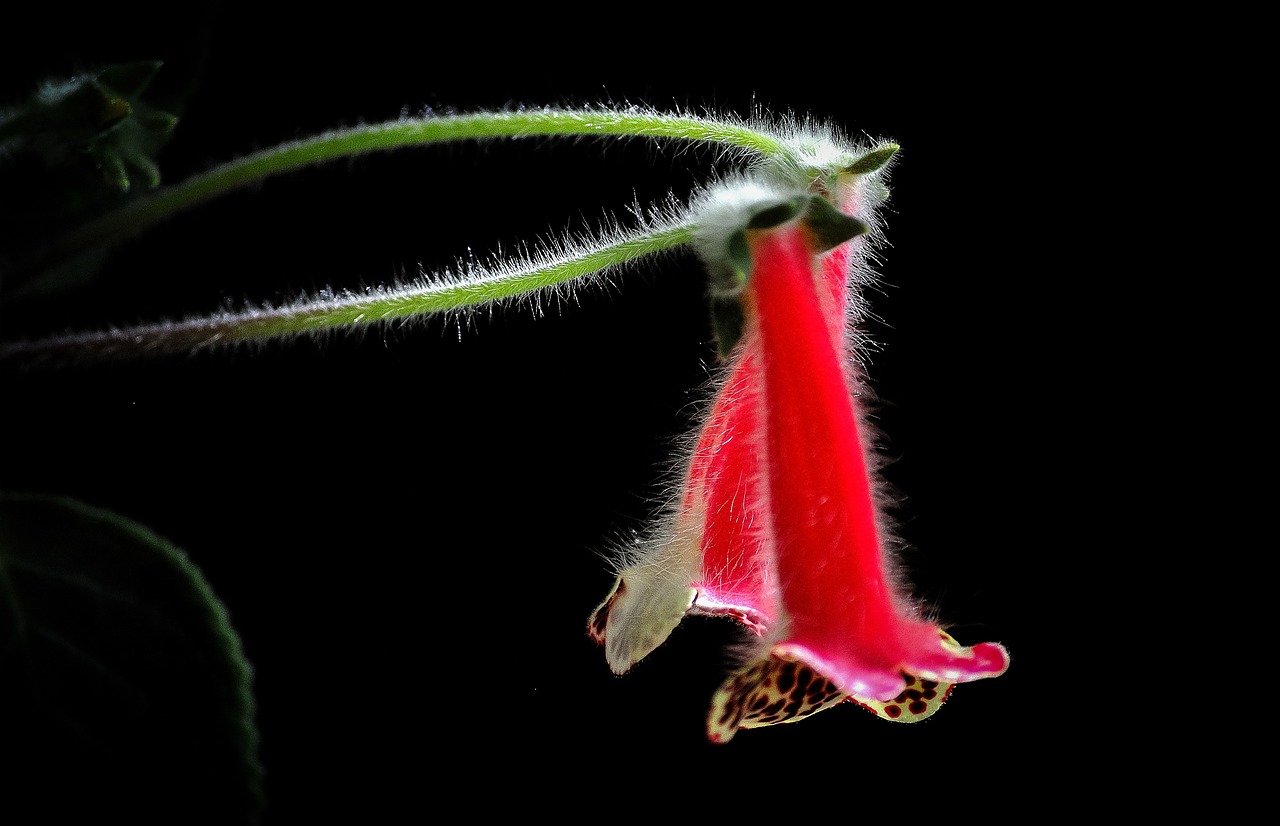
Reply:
x=407 y=527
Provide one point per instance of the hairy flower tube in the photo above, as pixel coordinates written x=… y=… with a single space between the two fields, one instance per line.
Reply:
x=845 y=628
x=707 y=557
x=704 y=558
x=717 y=551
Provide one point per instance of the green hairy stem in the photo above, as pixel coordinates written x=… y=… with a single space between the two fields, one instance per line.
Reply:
x=346 y=143
x=328 y=311
x=752 y=143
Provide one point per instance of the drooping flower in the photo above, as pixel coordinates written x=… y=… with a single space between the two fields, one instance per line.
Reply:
x=717 y=551
x=845 y=627
x=705 y=556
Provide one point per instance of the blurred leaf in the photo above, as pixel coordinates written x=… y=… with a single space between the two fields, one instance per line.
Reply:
x=102 y=114
x=123 y=687
x=72 y=151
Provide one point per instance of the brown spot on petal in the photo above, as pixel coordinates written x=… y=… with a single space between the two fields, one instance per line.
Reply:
x=770 y=691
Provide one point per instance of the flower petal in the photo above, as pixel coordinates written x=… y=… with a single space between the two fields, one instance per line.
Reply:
x=647 y=602
x=777 y=688
x=784 y=687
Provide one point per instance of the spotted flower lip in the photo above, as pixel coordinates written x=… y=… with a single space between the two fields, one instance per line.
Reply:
x=845 y=627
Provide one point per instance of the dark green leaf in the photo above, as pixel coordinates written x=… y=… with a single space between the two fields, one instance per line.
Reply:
x=124 y=688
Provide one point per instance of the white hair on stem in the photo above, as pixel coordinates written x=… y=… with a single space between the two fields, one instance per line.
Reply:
x=548 y=273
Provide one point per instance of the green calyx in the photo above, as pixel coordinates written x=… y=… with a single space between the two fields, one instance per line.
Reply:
x=828 y=228
x=733 y=279
x=728 y=321
x=873 y=160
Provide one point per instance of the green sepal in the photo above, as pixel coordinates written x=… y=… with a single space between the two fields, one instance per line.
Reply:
x=727 y=283
x=63 y=116
x=873 y=160
x=728 y=320
x=729 y=280
x=778 y=214
x=129 y=80
x=829 y=226
x=739 y=261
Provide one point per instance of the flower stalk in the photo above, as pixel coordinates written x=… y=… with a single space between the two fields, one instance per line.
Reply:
x=782 y=148
x=429 y=295
x=751 y=140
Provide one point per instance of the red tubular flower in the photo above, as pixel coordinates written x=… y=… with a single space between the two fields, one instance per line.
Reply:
x=708 y=556
x=845 y=628
x=776 y=524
